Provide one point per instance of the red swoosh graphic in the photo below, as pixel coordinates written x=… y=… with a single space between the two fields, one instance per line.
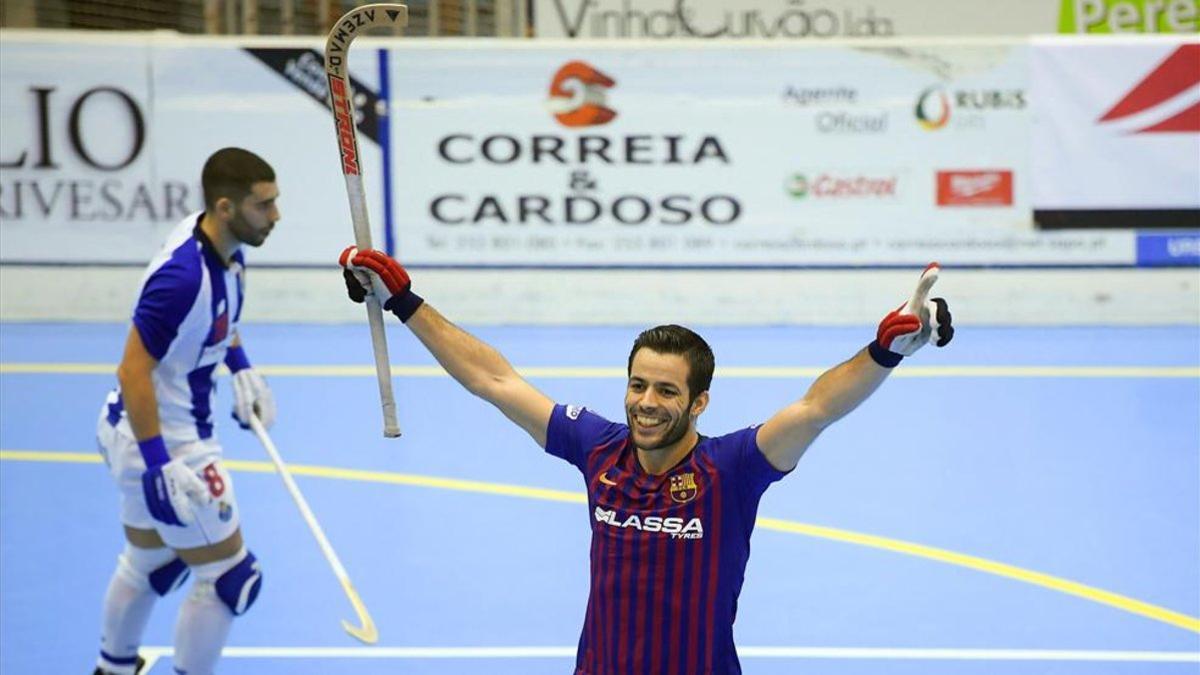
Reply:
x=1178 y=72
x=1188 y=120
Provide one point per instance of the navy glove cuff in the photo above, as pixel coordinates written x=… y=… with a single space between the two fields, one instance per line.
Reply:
x=881 y=355
x=235 y=359
x=403 y=305
x=154 y=451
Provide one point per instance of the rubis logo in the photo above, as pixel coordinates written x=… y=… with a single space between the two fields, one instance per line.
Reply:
x=577 y=96
x=1177 y=74
x=933 y=109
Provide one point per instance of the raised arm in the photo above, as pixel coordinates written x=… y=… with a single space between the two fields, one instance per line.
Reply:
x=784 y=438
x=477 y=366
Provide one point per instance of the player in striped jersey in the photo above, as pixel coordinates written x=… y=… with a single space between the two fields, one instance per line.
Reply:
x=671 y=509
x=156 y=429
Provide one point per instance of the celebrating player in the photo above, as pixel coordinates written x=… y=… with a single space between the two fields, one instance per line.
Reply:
x=672 y=509
x=156 y=430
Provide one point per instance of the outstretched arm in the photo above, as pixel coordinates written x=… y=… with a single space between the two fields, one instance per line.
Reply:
x=473 y=363
x=784 y=438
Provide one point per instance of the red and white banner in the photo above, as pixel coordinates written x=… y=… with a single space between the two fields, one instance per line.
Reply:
x=1116 y=124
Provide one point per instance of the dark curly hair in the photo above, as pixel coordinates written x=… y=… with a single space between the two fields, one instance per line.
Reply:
x=673 y=339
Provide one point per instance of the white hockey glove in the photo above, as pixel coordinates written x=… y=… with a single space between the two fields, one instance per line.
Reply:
x=174 y=492
x=250 y=391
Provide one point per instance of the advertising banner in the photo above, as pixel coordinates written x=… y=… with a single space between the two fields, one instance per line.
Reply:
x=77 y=169
x=550 y=155
x=1118 y=131
x=824 y=19
x=103 y=142
x=720 y=157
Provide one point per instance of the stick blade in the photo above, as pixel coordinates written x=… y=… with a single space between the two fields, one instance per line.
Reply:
x=368 y=634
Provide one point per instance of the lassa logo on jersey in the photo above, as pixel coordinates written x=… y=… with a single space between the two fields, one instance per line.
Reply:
x=692 y=529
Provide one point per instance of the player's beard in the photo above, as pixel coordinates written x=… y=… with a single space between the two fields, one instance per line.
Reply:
x=670 y=437
x=246 y=233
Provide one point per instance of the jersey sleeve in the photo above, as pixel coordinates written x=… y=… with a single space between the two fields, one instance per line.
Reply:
x=575 y=431
x=166 y=298
x=740 y=458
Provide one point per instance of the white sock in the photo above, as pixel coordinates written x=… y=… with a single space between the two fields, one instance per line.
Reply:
x=204 y=621
x=127 y=607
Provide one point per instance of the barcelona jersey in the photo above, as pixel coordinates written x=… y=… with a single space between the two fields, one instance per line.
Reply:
x=668 y=552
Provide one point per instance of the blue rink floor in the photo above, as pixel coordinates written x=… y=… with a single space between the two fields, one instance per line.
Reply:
x=1024 y=501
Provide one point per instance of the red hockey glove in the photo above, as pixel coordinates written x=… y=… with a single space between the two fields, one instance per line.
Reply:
x=909 y=327
x=373 y=272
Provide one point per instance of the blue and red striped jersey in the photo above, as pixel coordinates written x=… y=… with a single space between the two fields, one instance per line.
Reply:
x=668 y=551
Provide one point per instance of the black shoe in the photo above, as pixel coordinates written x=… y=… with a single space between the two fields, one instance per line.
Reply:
x=141 y=663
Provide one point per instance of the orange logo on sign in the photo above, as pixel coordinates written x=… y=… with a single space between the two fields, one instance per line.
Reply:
x=577 y=96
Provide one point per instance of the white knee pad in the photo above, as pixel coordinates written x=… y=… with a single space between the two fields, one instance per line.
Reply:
x=157 y=569
x=235 y=581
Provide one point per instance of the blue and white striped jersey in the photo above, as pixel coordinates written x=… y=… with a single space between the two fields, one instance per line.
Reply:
x=186 y=314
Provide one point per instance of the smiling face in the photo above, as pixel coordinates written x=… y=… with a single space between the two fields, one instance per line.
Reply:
x=659 y=408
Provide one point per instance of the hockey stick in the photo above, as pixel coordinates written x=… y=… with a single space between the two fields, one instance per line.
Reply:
x=337 y=51
x=366 y=632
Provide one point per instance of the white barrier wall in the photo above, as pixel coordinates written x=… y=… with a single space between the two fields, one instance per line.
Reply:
x=596 y=161
x=1057 y=297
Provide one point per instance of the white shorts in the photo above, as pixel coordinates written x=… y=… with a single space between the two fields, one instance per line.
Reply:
x=213 y=524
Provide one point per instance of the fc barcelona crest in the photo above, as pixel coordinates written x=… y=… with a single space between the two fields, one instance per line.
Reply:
x=683 y=487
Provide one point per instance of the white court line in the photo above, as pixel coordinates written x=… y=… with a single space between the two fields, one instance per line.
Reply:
x=152 y=654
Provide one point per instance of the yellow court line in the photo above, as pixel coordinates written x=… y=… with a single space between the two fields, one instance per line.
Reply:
x=589 y=372
x=1059 y=584
x=1005 y=570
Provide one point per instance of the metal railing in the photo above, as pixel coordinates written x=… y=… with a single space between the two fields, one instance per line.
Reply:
x=427 y=18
